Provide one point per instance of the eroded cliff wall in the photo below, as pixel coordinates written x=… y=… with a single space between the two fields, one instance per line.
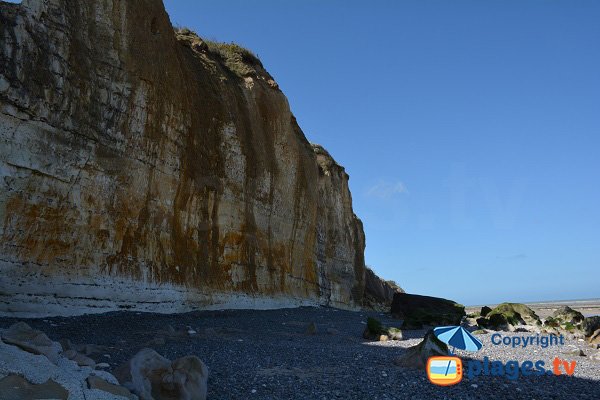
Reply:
x=141 y=170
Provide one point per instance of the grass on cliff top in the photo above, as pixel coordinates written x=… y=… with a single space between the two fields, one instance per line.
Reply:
x=395 y=286
x=236 y=58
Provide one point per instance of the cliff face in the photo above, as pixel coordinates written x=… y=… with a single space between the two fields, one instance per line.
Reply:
x=140 y=169
x=379 y=294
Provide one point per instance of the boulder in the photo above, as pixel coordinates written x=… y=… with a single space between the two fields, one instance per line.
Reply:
x=417 y=311
x=376 y=331
x=80 y=359
x=417 y=356
x=153 y=377
x=143 y=371
x=496 y=322
x=485 y=310
x=595 y=337
x=575 y=352
x=509 y=316
x=189 y=378
x=395 y=334
x=32 y=340
x=42 y=376
x=590 y=325
x=567 y=314
x=374 y=327
x=15 y=387
x=311 y=329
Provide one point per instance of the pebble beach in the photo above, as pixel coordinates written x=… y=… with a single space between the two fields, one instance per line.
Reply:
x=277 y=354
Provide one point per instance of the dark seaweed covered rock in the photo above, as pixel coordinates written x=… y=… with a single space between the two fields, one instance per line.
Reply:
x=507 y=315
x=567 y=314
x=417 y=311
x=375 y=330
x=590 y=325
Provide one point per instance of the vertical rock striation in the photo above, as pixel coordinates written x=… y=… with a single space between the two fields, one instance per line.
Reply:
x=143 y=169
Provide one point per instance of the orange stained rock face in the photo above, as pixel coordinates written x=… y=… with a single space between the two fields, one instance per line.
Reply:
x=188 y=171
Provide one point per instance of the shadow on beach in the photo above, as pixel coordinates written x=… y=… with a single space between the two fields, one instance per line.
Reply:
x=269 y=355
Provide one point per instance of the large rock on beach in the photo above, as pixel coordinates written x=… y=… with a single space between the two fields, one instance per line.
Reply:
x=510 y=316
x=417 y=356
x=417 y=311
x=31 y=375
x=564 y=319
x=80 y=359
x=590 y=325
x=595 y=337
x=375 y=330
x=566 y=314
x=485 y=310
x=153 y=377
x=22 y=335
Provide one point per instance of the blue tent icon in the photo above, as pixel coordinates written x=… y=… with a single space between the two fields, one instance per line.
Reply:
x=458 y=337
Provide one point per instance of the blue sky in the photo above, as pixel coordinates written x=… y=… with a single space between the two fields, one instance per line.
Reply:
x=470 y=130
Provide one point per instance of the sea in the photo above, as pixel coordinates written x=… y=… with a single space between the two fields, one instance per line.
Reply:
x=588 y=307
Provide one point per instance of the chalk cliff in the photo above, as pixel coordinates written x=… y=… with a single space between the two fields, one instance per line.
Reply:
x=142 y=168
